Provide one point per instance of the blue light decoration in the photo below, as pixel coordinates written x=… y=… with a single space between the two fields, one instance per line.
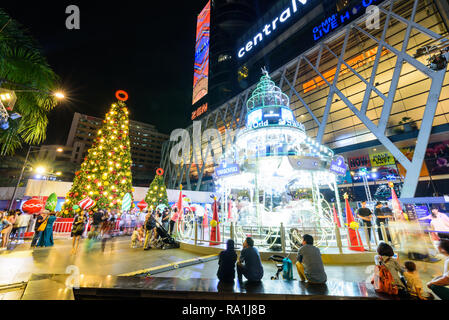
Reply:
x=273 y=156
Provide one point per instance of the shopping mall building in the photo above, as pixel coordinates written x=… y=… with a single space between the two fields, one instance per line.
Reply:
x=368 y=82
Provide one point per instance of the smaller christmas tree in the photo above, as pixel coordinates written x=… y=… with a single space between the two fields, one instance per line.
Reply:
x=157 y=193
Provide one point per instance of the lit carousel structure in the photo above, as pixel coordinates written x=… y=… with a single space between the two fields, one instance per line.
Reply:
x=274 y=173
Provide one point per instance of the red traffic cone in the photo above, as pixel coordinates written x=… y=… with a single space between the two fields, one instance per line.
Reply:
x=215 y=230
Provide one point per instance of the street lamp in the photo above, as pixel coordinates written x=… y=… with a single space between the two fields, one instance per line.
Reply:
x=8 y=99
x=40 y=170
x=60 y=95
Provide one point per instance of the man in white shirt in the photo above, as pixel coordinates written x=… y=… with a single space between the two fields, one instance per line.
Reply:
x=439 y=285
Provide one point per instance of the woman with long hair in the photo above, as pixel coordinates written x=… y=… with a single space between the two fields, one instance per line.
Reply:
x=5 y=228
x=78 y=230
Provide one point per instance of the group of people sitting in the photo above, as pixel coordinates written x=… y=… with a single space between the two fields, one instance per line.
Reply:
x=309 y=263
x=405 y=278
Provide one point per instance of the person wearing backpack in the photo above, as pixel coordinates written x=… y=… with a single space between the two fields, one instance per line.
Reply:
x=388 y=272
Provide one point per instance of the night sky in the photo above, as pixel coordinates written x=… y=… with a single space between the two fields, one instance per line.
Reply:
x=143 y=47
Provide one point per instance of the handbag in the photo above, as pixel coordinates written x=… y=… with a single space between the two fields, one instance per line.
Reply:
x=43 y=225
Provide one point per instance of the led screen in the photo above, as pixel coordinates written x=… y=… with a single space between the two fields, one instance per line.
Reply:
x=287 y=115
x=254 y=117
x=201 y=69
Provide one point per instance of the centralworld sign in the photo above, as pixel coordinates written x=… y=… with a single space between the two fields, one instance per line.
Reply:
x=326 y=26
x=268 y=29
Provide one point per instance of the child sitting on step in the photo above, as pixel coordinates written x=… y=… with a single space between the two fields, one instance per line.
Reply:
x=414 y=283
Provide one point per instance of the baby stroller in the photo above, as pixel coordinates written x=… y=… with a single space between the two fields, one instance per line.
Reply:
x=164 y=240
x=284 y=265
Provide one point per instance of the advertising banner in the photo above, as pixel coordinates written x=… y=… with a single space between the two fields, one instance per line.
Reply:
x=338 y=166
x=201 y=75
x=346 y=179
x=408 y=152
x=362 y=161
x=381 y=159
x=437 y=158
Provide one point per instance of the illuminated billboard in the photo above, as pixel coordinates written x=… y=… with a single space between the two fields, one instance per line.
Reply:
x=201 y=69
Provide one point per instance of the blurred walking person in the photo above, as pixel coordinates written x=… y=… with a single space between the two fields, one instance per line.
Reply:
x=78 y=226
x=13 y=219
x=107 y=231
x=5 y=226
x=39 y=227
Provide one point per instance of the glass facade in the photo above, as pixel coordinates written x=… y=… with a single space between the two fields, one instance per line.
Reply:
x=332 y=78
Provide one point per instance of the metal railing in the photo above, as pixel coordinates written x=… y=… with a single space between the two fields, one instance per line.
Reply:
x=63 y=227
x=287 y=238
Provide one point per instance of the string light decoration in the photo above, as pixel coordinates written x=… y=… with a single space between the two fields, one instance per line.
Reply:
x=157 y=193
x=279 y=167
x=105 y=175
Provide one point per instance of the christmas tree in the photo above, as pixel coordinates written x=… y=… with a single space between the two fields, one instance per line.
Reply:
x=157 y=193
x=105 y=175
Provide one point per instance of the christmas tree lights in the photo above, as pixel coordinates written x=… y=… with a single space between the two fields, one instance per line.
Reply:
x=105 y=175
x=157 y=193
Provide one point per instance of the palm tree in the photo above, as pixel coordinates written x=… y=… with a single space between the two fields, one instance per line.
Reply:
x=21 y=62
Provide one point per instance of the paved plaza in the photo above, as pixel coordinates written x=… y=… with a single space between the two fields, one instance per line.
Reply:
x=18 y=265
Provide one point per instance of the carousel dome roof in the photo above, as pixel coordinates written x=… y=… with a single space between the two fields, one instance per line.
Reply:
x=268 y=107
x=267 y=94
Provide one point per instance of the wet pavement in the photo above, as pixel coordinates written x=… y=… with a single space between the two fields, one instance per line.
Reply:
x=17 y=265
x=119 y=258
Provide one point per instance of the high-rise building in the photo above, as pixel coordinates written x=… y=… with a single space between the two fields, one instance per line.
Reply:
x=146 y=145
x=220 y=24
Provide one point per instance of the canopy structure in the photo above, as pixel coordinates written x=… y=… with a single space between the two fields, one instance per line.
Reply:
x=274 y=172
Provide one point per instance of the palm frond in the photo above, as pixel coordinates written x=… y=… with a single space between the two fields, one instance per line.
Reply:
x=22 y=62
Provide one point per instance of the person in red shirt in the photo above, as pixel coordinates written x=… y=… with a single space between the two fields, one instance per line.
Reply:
x=174 y=217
